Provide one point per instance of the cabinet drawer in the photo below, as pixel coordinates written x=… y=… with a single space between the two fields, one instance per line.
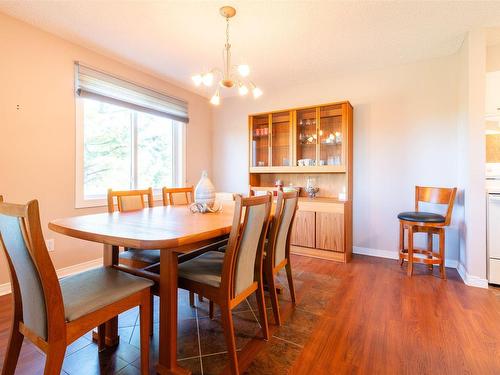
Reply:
x=303 y=230
x=494 y=272
x=330 y=231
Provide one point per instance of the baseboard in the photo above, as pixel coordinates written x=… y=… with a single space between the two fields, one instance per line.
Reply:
x=470 y=279
x=4 y=289
x=375 y=252
x=450 y=263
x=62 y=272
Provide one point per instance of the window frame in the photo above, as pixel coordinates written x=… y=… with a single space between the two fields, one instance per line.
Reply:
x=179 y=151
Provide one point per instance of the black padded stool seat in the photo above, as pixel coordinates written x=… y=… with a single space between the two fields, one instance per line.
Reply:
x=421 y=217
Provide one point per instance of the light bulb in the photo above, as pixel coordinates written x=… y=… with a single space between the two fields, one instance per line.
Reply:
x=256 y=92
x=208 y=79
x=243 y=90
x=197 y=79
x=244 y=70
x=216 y=98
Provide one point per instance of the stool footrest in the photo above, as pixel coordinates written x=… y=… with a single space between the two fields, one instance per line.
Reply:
x=421 y=256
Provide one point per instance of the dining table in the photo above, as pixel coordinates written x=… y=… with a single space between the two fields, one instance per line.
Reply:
x=172 y=229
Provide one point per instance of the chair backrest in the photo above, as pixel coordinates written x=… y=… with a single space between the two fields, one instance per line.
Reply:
x=243 y=260
x=178 y=196
x=37 y=295
x=436 y=195
x=279 y=239
x=263 y=190
x=129 y=200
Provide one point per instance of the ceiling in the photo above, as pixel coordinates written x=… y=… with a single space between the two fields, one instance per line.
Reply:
x=286 y=43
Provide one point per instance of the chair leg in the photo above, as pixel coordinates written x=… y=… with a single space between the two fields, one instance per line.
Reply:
x=145 y=324
x=101 y=334
x=191 y=299
x=273 y=295
x=288 y=268
x=151 y=314
x=259 y=294
x=211 y=309
x=429 y=247
x=13 y=350
x=442 y=269
x=401 y=243
x=410 y=251
x=54 y=358
x=227 y=324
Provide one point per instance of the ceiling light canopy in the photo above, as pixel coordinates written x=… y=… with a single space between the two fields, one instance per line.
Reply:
x=230 y=75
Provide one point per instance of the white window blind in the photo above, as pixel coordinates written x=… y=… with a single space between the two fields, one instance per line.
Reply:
x=94 y=84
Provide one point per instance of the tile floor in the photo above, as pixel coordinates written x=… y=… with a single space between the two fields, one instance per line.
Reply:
x=201 y=345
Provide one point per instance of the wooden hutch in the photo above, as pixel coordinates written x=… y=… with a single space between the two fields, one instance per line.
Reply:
x=315 y=142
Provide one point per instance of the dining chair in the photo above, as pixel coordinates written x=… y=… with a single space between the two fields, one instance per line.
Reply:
x=277 y=249
x=229 y=278
x=182 y=196
x=176 y=196
x=132 y=200
x=419 y=221
x=51 y=313
x=263 y=190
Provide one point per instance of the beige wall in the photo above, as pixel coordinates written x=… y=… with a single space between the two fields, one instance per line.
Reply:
x=405 y=133
x=37 y=142
x=493 y=58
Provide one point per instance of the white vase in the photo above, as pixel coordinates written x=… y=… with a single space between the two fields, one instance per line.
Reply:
x=205 y=191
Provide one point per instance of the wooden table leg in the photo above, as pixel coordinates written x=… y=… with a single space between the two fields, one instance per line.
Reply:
x=167 y=356
x=109 y=258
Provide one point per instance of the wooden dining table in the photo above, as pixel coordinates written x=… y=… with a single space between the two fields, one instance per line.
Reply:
x=173 y=230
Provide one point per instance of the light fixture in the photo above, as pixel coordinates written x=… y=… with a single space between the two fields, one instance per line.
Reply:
x=243 y=90
x=244 y=70
x=216 y=98
x=197 y=79
x=208 y=79
x=255 y=90
x=229 y=76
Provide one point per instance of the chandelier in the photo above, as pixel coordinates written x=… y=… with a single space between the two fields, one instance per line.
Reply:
x=231 y=76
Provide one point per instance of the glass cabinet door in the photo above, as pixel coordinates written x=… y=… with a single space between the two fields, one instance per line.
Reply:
x=280 y=139
x=260 y=141
x=306 y=137
x=330 y=136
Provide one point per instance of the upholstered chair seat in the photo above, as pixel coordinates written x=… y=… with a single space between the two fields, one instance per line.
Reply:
x=205 y=269
x=94 y=289
x=422 y=217
x=143 y=256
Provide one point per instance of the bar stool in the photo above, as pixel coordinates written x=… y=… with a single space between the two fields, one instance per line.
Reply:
x=426 y=222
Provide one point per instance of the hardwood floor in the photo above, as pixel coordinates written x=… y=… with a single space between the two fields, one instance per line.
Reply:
x=364 y=317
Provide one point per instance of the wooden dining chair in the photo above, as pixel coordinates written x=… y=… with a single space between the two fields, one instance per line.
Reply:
x=426 y=222
x=51 y=313
x=263 y=190
x=132 y=200
x=176 y=196
x=277 y=249
x=229 y=278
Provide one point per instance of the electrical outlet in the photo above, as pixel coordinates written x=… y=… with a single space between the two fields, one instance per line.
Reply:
x=50 y=244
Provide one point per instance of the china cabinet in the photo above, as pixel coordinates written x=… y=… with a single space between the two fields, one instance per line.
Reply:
x=299 y=145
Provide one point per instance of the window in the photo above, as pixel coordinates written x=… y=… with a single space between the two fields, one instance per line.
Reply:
x=123 y=147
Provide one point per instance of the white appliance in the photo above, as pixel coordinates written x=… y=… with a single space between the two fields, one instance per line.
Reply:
x=493 y=236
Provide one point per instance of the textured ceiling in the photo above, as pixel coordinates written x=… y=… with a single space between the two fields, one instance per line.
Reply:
x=285 y=43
